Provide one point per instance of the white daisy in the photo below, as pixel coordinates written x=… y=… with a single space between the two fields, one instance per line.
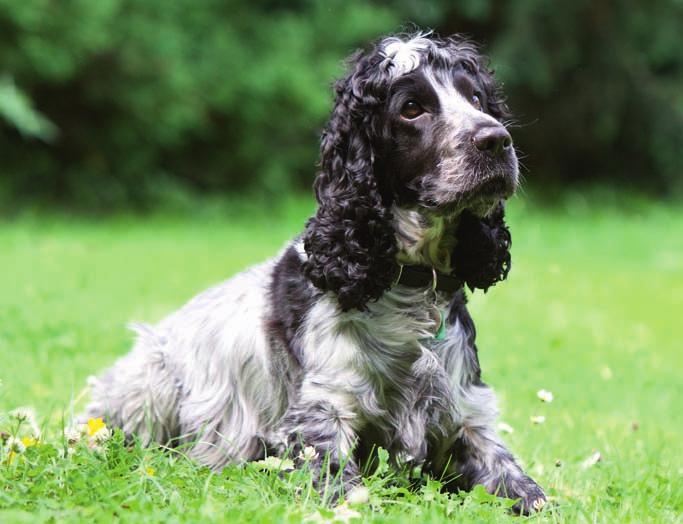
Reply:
x=275 y=464
x=72 y=435
x=504 y=427
x=545 y=395
x=102 y=435
x=358 y=496
x=23 y=414
x=308 y=453
x=15 y=445
x=592 y=460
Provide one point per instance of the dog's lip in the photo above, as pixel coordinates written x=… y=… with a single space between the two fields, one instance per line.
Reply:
x=491 y=188
x=497 y=186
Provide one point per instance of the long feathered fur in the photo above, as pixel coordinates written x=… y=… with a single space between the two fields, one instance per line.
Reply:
x=319 y=351
x=350 y=242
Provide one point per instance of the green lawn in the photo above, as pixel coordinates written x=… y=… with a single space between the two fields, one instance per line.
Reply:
x=592 y=311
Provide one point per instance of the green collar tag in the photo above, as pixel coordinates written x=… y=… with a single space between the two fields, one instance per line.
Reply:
x=441 y=332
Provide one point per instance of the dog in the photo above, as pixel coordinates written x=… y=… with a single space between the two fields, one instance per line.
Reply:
x=357 y=334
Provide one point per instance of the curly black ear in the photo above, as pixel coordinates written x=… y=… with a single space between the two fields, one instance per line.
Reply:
x=350 y=241
x=481 y=257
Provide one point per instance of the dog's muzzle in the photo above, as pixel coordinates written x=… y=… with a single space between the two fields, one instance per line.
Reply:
x=495 y=157
x=492 y=140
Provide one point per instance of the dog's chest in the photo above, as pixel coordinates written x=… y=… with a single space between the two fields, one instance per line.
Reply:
x=385 y=366
x=409 y=397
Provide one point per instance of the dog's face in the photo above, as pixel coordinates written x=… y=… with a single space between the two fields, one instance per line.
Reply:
x=442 y=148
x=415 y=130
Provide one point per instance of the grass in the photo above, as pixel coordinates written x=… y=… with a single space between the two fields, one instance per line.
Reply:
x=591 y=311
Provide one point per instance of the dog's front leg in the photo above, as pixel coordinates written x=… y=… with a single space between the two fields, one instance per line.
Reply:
x=474 y=453
x=478 y=456
x=320 y=429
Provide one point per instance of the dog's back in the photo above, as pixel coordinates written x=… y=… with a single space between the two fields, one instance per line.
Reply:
x=201 y=371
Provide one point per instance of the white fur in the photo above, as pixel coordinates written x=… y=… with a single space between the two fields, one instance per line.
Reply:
x=205 y=373
x=460 y=119
x=423 y=239
x=210 y=374
x=403 y=56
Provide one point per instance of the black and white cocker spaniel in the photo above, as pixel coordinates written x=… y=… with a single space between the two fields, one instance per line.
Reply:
x=357 y=334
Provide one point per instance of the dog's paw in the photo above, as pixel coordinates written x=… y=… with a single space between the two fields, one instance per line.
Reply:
x=530 y=497
x=333 y=479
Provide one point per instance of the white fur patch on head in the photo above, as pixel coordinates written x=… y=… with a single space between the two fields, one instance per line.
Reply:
x=403 y=56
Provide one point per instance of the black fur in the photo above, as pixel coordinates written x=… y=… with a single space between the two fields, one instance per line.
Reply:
x=482 y=256
x=350 y=241
x=369 y=160
x=291 y=297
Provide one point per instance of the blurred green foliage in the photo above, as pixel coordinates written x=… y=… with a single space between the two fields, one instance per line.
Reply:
x=16 y=108
x=115 y=102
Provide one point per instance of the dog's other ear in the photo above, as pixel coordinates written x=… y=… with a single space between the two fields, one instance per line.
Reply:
x=495 y=99
x=350 y=241
x=481 y=257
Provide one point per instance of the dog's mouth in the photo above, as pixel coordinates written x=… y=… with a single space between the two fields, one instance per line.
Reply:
x=491 y=188
x=479 y=197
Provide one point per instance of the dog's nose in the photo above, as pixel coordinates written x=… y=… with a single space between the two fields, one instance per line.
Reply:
x=493 y=140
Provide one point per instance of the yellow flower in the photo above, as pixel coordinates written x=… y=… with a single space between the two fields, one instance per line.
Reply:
x=29 y=441
x=94 y=425
x=150 y=471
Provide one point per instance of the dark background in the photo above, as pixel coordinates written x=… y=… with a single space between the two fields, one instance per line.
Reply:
x=120 y=103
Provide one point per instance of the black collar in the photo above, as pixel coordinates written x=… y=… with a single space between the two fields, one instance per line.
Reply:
x=422 y=276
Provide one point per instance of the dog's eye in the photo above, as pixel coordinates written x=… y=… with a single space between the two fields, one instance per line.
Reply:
x=476 y=101
x=411 y=110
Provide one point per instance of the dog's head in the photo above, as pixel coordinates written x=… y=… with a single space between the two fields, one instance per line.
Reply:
x=414 y=147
